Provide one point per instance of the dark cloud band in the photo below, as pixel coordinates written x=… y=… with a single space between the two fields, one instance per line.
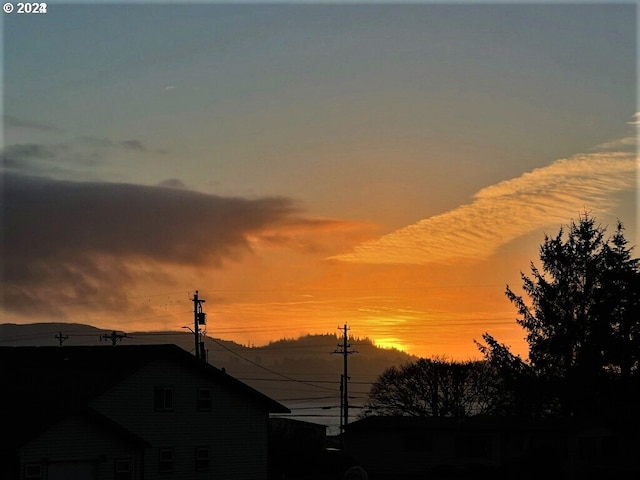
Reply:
x=59 y=233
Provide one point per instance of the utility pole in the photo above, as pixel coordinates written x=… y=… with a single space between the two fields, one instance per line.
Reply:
x=113 y=336
x=341 y=405
x=199 y=318
x=61 y=338
x=343 y=349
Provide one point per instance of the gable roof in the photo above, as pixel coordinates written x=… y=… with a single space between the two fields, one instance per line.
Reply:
x=42 y=380
x=31 y=426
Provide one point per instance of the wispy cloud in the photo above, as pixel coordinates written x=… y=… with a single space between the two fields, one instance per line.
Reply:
x=80 y=157
x=626 y=144
x=311 y=235
x=14 y=122
x=502 y=212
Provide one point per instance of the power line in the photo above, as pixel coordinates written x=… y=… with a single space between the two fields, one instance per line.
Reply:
x=302 y=399
x=326 y=407
x=61 y=338
x=144 y=334
x=305 y=415
x=114 y=337
x=287 y=379
x=363 y=289
x=268 y=369
x=289 y=290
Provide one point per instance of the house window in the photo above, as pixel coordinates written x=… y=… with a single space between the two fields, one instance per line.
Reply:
x=122 y=469
x=417 y=442
x=514 y=443
x=610 y=447
x=202 y=459
x=473 y=446
x=588 y=449
x=163 y=399
x=205 y=399
x=33 y=470
x=165 y=460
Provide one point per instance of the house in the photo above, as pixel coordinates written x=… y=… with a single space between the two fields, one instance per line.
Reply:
x=300 y=449
x=445 y=447
x=294 y=445
x=128 y=413
x=297 y=437
x=71 y=446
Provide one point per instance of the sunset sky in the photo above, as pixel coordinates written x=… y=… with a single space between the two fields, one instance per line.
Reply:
x=302 y=165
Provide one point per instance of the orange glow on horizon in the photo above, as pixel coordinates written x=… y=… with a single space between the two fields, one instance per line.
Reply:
x=390 y=344
x=423 y=311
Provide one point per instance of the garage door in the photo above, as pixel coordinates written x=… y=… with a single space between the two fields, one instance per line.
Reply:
x=72 y=471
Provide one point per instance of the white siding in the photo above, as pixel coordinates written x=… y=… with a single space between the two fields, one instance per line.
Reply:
x=89 y=444
x=235 y=429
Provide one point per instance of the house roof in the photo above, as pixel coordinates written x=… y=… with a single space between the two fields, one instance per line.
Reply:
x=30 y=426
x=380 y=423
x=44 y=384
x=476 y=423
x=275 y=422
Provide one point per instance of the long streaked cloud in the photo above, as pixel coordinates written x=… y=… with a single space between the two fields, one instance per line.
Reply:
x=502 y=212
x=10 y=121
x=80 y=157
x=64 y=241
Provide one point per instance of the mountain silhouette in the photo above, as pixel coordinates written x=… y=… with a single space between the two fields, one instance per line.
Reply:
x=305 y=369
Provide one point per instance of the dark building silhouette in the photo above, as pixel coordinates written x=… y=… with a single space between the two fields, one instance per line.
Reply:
x=493 y=447
x=128 y=413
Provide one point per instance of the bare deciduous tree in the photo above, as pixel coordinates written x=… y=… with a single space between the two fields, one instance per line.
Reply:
x=436 y=387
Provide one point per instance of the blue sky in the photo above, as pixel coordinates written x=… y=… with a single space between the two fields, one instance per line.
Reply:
x=381 y=126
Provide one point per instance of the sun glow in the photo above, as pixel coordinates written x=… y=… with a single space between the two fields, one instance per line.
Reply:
x=390 y=343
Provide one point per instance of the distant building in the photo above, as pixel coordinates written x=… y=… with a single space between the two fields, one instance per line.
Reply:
x=128 y=413
x=294 y=446
x=443 y=447
x=296 y=436
x=300 y=449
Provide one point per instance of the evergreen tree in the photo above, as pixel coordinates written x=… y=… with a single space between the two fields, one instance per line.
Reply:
x=582 y=323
